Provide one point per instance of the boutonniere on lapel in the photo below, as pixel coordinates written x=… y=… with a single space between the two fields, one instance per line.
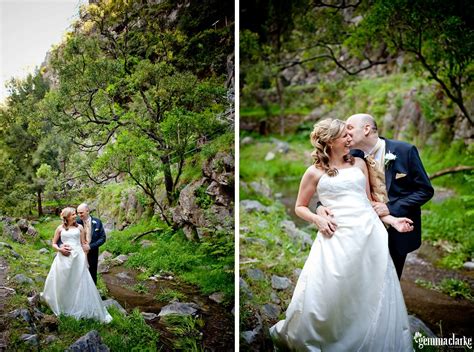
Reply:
x=388 y=158
x=94 y=222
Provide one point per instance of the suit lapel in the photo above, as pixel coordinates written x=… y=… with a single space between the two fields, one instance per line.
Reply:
x=389 y=147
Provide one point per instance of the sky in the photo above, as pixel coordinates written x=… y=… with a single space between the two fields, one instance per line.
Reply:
x=28 y=29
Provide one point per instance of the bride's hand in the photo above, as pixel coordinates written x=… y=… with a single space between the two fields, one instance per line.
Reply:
x=326 y=225
x=403 y=224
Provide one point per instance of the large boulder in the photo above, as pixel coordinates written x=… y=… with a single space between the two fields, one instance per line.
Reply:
x=220 y=169
x=91 y=342
x=179 y=309
x=13 y=231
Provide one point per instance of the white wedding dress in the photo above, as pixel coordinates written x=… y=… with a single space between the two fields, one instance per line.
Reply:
x=348 y=297
x=69 y=288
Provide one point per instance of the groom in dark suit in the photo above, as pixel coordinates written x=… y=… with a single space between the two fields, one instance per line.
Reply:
x=406 y=182
x=95 y=235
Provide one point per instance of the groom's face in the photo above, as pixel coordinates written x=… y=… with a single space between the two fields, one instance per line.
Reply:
x=83 y=213
x=355 y=129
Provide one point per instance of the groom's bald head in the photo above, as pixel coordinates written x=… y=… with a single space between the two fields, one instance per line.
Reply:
x=363 y=130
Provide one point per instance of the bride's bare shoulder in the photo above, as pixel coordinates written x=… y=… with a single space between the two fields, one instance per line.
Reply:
x=313 y=173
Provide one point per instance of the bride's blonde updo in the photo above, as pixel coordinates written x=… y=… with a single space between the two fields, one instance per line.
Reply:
x=65 y=213
x=323 y=133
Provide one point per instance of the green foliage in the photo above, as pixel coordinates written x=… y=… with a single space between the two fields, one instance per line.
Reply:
x=167 y=295
x=450 y=286
x=456 y=288
x=187 y=330
x=203 y=200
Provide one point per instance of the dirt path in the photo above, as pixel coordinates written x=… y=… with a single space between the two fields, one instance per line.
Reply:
x=443 y=314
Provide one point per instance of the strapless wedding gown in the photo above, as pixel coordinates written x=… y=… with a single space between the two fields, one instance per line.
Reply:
x=348 y=297
x=69 y=288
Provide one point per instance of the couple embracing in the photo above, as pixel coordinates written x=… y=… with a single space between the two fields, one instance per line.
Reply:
x=70 y=287
x=348 y=296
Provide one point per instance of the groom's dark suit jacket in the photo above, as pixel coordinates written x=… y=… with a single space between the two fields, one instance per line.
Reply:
x=408 y=188
x=97 y=240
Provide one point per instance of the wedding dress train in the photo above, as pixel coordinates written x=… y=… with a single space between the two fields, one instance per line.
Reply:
x=69 y=288
x=348 y=297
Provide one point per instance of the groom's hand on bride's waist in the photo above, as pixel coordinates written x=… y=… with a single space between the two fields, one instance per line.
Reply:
x=325 y=221
x=65 y=250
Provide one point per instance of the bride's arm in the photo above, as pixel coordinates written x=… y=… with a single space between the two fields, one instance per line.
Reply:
x=307 y=189
x=400 y=224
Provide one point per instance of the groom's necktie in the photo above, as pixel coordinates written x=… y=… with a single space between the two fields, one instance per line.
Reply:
x=378 y=189
x=87 y=227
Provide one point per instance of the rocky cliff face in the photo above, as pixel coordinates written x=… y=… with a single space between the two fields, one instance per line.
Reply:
x=207 y=204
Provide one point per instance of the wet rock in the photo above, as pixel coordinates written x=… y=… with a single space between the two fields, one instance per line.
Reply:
x=21 y=313
x=13 y=232
x=14 y=254
x=119 y=260
x=113 y=303
x=261 y=188
x=253 y=206
x=217 y=297
x=244 y=288
x=23 y=225
x=5 y=245
x=271 y=311
x=297 y=272
x=149 y=316
x=468 y=266
x=50 y=339
x=251 y=336
x=90 y=342
x=296 y=234
x=255 y=274
x=31 y=231
x=280 y=283
x=246 y=140
x=220 y=193
x=43 y=251
x=22 y=279
x=270 y=156
x=417 y=325
x=37 y=314
x=146 y=243
x=280 y=146
x=220 y=168
x=105 y=255
x=179 y=308
x=31 y=339
x=275 y=298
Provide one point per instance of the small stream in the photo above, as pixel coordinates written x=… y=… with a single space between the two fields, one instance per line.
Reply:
x=218 y=331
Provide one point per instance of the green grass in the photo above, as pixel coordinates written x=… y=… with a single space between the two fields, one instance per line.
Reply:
x=167 y=295
x=187 y=329
x=450 y=286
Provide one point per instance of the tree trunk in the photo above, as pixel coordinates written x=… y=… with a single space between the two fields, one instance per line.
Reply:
x=168 y=178
x=281 y=102
x=40 y=207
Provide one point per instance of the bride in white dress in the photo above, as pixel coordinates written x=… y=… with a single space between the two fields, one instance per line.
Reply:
x=348 y=297
x=69 y=288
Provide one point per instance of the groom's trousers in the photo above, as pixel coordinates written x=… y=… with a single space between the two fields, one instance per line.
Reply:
x=398 y=261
